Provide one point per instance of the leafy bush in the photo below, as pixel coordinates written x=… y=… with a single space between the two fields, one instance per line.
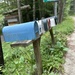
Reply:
x=66 y=27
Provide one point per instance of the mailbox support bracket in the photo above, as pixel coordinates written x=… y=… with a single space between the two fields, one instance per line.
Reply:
x=52 y=36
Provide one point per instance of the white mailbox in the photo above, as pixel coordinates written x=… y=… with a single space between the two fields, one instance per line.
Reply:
x=51 y=22
x=41 y=27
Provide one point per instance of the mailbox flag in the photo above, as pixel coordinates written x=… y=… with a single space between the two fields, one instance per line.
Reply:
x=53 y=21
x=49 y=23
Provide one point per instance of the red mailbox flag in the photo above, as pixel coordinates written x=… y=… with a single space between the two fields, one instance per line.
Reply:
x=49 y=23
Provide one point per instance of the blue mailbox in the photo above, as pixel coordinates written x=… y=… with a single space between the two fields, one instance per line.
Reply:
x=20 y=32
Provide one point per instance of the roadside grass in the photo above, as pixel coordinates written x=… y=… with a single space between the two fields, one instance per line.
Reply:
x=67 y=26
x=21 y=61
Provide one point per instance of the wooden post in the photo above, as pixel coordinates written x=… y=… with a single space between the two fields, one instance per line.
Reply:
x=1 y=54
x=52 y=36
x=36 y=45
x=55 y=9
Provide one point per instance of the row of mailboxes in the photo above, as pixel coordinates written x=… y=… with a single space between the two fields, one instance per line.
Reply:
x=46 y=24
x=27 y=31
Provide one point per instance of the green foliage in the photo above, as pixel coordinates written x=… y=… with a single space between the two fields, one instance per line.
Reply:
x=52 y=55
x=42 y=9
x=21 y=61
x=65 y=27
x=52 y=73
x=18 y=61
x=67 y=7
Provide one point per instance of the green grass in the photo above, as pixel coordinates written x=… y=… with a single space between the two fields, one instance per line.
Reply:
x=21 y=61
x=66 y=27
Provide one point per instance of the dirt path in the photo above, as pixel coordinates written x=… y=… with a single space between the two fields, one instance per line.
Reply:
x=69 y=66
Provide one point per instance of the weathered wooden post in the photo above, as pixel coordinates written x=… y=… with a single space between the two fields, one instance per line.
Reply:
x=36 y=46
x=1 y=54
x=51 y=23
x=52 y=36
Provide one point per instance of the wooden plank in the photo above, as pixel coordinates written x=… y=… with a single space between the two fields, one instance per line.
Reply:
x=11 y=16
x=23 y=44
x=36 y=46
x=15 y=10
x=1 y=54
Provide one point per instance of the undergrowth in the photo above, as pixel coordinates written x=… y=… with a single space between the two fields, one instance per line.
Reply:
x=21 y=61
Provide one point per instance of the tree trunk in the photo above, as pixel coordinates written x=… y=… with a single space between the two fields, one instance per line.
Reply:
x=55 y=9
x=33 y=9
x=19 y=11
x=74 y=5
x=60 y=11
x=27 y=2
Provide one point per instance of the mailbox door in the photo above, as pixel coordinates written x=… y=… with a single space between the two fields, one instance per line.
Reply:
x=41 y=27
x=36 y=29
x=52 y=22
x=44 y=21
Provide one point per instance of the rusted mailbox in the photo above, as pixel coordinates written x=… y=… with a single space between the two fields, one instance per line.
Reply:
x=51 y=22
x=20 y=32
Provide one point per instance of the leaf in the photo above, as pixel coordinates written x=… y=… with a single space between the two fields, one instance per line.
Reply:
x=21 y=59
x=59 y=44
x=51 y=49
x=65 y=49
x=16 y=62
